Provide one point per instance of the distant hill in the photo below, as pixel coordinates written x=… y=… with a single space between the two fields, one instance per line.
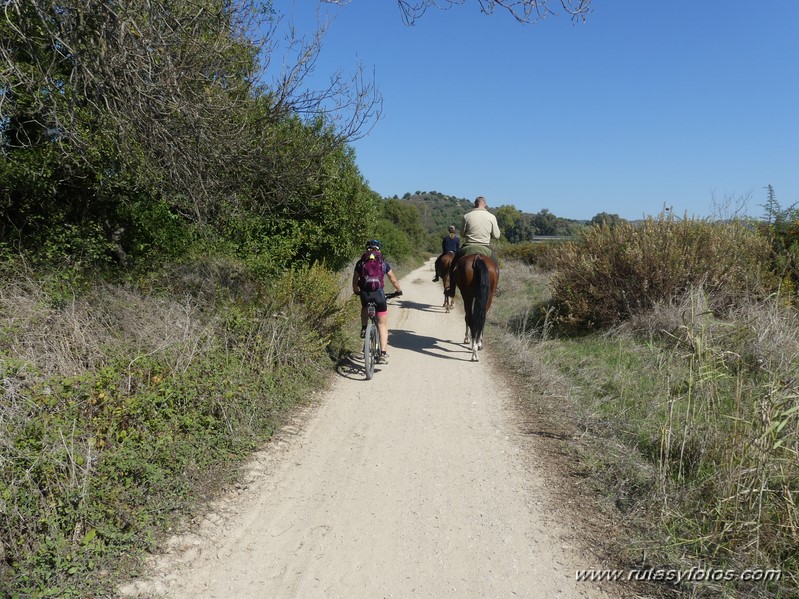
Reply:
x=438 y=210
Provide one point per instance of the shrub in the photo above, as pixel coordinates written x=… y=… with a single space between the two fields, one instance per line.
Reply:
x=611 y=273
x=687 y=422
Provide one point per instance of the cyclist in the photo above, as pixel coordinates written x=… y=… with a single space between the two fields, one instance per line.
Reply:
x=378 y=296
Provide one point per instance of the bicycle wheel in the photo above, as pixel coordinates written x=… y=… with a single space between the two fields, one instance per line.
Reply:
x=369 y=357
x=375 y=344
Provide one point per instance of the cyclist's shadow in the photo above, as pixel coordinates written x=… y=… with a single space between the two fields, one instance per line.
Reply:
x=351 y=367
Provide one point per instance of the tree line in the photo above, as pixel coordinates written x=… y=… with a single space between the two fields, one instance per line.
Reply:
x=438 y=210
x=132 y=133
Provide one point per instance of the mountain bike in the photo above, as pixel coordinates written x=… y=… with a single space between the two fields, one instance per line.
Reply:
x=371 y=338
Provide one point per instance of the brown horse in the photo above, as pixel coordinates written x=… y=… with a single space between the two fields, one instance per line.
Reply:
x=477 y=277
x=442 y=272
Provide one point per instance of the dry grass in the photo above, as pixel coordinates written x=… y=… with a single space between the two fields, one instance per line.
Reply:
x=82 y=334
x=686 y=420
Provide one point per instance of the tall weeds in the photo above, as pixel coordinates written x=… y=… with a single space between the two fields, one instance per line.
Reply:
x=730 y=437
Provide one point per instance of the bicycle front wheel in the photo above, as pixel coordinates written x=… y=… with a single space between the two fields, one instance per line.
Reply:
x=370 y=342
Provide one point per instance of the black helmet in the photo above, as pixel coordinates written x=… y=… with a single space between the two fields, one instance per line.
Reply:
x=373 y=243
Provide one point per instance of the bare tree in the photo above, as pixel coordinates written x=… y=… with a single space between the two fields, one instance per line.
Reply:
x=524 y=11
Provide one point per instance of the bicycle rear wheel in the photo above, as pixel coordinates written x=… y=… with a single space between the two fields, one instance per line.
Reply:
x=370 y=342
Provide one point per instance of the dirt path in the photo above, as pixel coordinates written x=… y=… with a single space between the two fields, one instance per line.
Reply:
x=415 y=484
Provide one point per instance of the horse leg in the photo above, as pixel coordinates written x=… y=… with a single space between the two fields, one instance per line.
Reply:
x=471 y=341
x=476 y=344
x=447 y=299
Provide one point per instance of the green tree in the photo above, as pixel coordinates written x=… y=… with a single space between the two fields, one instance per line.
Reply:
x=545 y=222
x=603 y=218
x=405 y=217
x=772 y=206
x=115 y=117
x=507 y=218
x=400 y=230
x=516 y=226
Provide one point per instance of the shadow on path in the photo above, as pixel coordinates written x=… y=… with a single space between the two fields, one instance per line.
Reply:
x=411 y=305
x=351 y=367
x=423 y=344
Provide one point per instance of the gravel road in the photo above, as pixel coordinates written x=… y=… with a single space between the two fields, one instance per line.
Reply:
x=418 y=483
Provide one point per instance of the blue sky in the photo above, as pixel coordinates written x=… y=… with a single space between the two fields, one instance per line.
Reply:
x=690 y=104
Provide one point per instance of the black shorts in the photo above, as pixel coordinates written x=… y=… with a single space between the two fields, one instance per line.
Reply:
x=379 y=298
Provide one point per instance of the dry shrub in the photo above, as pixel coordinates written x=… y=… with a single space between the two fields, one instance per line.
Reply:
x=772 y=340
x=669 y=317
x=613 y=273
x=729 y=437
x=693 y=412
x=85 y=333
x=761 y=334
x=542 y=254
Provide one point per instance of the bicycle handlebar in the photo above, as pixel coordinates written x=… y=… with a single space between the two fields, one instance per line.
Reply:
x=389 y=296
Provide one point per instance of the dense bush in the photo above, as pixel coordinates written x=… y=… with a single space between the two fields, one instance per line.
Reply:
x=122 y=407
x=611 y=273
x=781 y=228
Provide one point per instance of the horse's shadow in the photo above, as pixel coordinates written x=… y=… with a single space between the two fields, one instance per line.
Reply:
x=411 y=305
x=423 y=344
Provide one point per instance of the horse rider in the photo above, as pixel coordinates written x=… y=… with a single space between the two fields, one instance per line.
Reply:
x=450 y=243
x=479 y=226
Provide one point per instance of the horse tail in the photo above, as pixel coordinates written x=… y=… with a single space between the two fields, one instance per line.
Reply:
x=483 y=284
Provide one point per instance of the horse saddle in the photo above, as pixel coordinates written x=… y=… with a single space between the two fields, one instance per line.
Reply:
x=483 y=250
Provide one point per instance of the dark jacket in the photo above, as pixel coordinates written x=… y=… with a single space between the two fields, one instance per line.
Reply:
x=450 y=244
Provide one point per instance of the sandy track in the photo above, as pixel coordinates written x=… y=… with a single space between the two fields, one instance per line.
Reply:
x=415 y=484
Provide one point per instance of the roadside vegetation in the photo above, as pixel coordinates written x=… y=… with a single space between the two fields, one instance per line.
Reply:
x=665 y=356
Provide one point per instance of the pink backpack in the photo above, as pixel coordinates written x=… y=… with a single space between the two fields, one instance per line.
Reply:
x=371 y=271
